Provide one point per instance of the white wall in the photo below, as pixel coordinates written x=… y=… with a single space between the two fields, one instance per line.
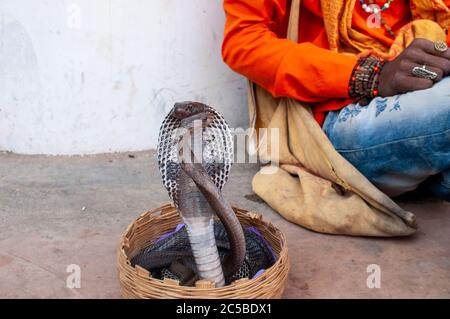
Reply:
x=94 y=76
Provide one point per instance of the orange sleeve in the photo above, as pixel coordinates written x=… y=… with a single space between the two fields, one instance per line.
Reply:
x=447 y=3
x=301 y=71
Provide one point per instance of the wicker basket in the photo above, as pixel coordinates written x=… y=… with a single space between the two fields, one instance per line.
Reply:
x=137 y=283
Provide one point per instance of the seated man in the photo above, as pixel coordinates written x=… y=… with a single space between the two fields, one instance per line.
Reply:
x=389 y=117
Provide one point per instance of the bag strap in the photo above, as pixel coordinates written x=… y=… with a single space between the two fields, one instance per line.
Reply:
x=294 y=20
x=292 y=34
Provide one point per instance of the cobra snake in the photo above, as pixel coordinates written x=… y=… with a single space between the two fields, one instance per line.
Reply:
x=195 y=153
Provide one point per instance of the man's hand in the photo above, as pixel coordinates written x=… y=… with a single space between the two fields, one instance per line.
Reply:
x=396 y=76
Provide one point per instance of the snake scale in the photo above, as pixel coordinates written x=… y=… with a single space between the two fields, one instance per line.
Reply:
x=195 y=153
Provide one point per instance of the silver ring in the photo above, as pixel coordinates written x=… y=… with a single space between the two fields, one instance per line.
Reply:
x=423 y=72
x=440 y=46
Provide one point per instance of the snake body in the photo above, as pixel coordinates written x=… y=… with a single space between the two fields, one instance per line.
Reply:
x=170 y=256
x=195 y=152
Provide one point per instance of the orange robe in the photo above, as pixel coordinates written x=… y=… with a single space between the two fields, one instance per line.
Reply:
x=255 y=46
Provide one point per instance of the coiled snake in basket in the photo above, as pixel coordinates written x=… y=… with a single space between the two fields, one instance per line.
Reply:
x=195 y=153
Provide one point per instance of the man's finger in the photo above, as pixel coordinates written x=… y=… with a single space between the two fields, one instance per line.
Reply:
x=408 y=66
x=423 y=58
x=428 y=47
x=414 y=83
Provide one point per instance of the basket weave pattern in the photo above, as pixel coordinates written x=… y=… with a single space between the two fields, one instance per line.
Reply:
x=137 y=282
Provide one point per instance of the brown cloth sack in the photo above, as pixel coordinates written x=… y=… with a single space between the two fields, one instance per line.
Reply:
x=315 y=187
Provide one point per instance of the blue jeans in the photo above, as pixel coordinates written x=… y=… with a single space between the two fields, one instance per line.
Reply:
x=398 y=142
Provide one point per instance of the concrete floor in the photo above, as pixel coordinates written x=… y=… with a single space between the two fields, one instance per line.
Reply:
x=56 y=211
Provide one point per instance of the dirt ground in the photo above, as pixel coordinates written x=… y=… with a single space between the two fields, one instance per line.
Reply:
x=57 y=211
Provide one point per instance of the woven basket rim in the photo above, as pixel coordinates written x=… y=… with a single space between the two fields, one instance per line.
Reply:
x=274 y=274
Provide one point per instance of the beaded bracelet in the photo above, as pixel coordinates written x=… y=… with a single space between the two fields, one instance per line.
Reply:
x=364 y=80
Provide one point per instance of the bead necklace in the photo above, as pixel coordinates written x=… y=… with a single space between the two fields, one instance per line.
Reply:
x=376 y=10
x=370 y=8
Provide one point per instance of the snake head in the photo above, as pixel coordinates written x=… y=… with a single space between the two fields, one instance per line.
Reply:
x=188 y=112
